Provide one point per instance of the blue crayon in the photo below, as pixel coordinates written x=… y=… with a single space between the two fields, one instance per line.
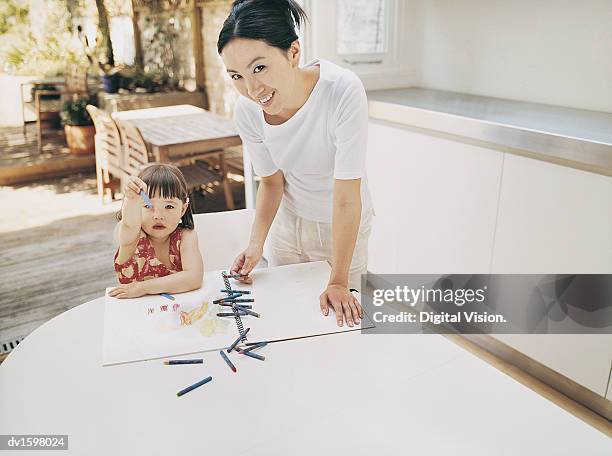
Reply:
x=230 y=298
x=234 y=275
x=184 y=361
x=227 y=360
x=240 y=337
x=146 y=199
x=239 y=306
x=238 y=300
x=253 y=347
x=167 y=296
x=194 y=386
x=253 y=355
x=236 y=291
x=231 y=314
x=250 y=312
x=249 y=344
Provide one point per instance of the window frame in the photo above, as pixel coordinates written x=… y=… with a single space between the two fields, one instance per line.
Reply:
x=391 y=70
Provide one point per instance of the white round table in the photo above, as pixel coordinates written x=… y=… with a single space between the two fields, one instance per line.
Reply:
x=339 y=394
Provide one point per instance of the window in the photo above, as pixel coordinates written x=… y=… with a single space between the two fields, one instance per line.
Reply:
x=362 y=27
x=371 y=37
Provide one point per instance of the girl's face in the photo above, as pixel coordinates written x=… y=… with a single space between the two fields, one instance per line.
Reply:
x=163 y=218
x=263 y=73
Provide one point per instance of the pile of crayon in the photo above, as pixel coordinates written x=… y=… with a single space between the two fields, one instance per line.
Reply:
x=237 y=302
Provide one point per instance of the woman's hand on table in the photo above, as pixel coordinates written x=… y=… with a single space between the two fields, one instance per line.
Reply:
x=344 y=304
x=129 y=290
x=246 y=261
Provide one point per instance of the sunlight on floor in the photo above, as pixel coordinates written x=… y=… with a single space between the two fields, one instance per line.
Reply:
x=33 y=206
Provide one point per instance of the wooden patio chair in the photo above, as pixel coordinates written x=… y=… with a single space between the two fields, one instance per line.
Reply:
x=75 y=84
x=110 y=169
x=199 y=175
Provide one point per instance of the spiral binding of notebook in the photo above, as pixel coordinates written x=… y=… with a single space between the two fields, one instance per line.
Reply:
x=237 y=318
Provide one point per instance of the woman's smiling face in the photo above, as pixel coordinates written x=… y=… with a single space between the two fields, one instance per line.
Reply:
x=263 y=73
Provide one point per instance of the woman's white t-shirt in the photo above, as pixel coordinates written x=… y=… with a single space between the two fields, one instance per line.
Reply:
x=325 y=139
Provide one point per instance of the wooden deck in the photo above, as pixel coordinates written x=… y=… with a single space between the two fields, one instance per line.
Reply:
x=21 y=162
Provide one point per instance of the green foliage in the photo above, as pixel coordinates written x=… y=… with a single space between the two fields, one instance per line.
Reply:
x=40 y=42
x=12 y=15
x=74 y=112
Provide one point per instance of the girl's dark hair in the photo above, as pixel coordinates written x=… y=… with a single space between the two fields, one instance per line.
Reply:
x=166 y=181
x=272 y=21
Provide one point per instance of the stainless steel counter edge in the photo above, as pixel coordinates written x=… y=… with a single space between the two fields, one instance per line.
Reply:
x=568 y=151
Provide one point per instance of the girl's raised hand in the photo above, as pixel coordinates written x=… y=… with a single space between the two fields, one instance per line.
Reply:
x=132 y=188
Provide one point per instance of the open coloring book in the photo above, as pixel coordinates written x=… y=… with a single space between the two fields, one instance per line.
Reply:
x=286 y=298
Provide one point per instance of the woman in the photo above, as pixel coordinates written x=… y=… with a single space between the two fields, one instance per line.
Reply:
x=305 y=129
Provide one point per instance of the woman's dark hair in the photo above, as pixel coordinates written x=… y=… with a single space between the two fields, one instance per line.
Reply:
x=166 y=181
x=272 y=21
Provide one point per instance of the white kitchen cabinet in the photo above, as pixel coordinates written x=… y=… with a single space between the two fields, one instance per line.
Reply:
x=554 y=220
x=435 y=202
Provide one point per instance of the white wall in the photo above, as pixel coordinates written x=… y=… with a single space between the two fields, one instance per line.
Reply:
x=546 y=51
x=10 y=107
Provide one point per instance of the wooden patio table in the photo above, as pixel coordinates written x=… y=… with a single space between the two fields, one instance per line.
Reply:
x=177 y=132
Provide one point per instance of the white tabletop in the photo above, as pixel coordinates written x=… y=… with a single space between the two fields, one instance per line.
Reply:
x=339 y=394
x=171 y=125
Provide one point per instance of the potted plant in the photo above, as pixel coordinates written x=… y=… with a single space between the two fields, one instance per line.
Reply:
x=78 y=126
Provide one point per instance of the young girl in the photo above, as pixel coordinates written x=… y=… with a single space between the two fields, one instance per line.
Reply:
x=158 y=247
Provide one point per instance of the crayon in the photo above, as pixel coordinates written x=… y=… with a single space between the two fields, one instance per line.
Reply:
x=239 y=306
x=249 y=344
x=184 y=361
x=147 y=200
x=239 y=300
x=253 y=355
x=253 y=347
x=233 y=276
x=236 y=291
x=240 y=337
x=167 y=296
x=227 y=360
x=231 y=314
x=194 y=386
x=250 y=312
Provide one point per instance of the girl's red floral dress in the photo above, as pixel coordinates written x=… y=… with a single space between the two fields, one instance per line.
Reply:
x=144 y=265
